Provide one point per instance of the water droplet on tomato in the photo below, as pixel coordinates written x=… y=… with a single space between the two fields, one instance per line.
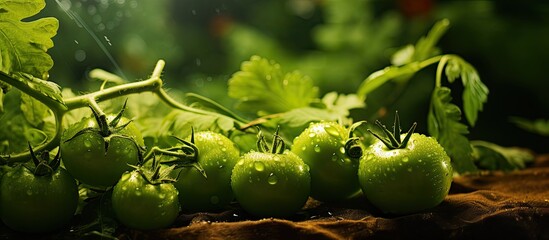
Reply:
x=312 y=135
x=304 y=148
x=241 y=162
x=137 y=193
x=334 y=157
x=405 y=159
x=331 y=130
x=125 y=177
x=224 y=149
x=272 y=179
x=87 y=143
x=214 y=199
x=317 y=148
x=342 y=150
x=259 y=166
x=162 y=196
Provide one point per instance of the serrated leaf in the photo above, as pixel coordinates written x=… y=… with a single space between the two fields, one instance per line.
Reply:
x=23 y=45
x=262 y=87
x=301 y=116
x=335 y=107
x=33 y=110
x=444 y=125
x=380 y=77
x=491 y=156
x=538 y=126
x=16 y=131
x=179 y=123
x=475 y=93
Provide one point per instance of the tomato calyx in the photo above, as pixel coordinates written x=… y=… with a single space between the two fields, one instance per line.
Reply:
x=185 y=155
x=42 y=164
x=353 y=148
x=393 y=140
x=156 y=174
x=277 y=146
x=109 y=130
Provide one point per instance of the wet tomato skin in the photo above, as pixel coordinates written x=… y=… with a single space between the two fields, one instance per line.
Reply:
x=217 y=156
x=86 y=160
x=37 y=204
x=139 y=204
x=333 y=173
x=270 y=184
x=407 y=180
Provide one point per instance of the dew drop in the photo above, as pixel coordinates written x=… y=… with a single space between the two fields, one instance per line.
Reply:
x=214 y=199
x=317 y=148
x=312 y=135
x=259 y=166
x=331 y=130
x=405 y=159
x=162 y=196
x=125 y=177
x=87 y=143
x=276 y=158
x=137 y=193
x=272 y=179
x=304 y=148
x=224 y=149
x=334 y=157
x=342 y=150
x=240 y=163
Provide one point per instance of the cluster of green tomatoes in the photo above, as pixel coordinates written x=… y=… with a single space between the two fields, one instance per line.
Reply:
x=398 y=174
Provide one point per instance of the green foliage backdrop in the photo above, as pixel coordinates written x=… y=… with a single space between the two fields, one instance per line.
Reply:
x=336 y=43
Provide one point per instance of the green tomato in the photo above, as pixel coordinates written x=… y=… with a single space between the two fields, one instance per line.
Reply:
x=37 y=204
x=85 y=158
x=141 y=205
x=406 y=180
x=333 y=172
x=271 y=185
x=217 y=155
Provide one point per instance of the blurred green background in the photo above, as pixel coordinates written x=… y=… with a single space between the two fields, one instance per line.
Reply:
x=336 y=42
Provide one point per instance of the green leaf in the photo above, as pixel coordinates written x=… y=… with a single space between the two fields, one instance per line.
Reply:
x=334 y=107
x=16 y=131
x=33 y=110
x=475 y=93
x=262 y=87
x=424 y=48
x=42 y=90
x=444 y=125
x=538 y=126
x=179 y=123
x=491 y=156
x=1 y=101
x=23 y=45
x=380 y=77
